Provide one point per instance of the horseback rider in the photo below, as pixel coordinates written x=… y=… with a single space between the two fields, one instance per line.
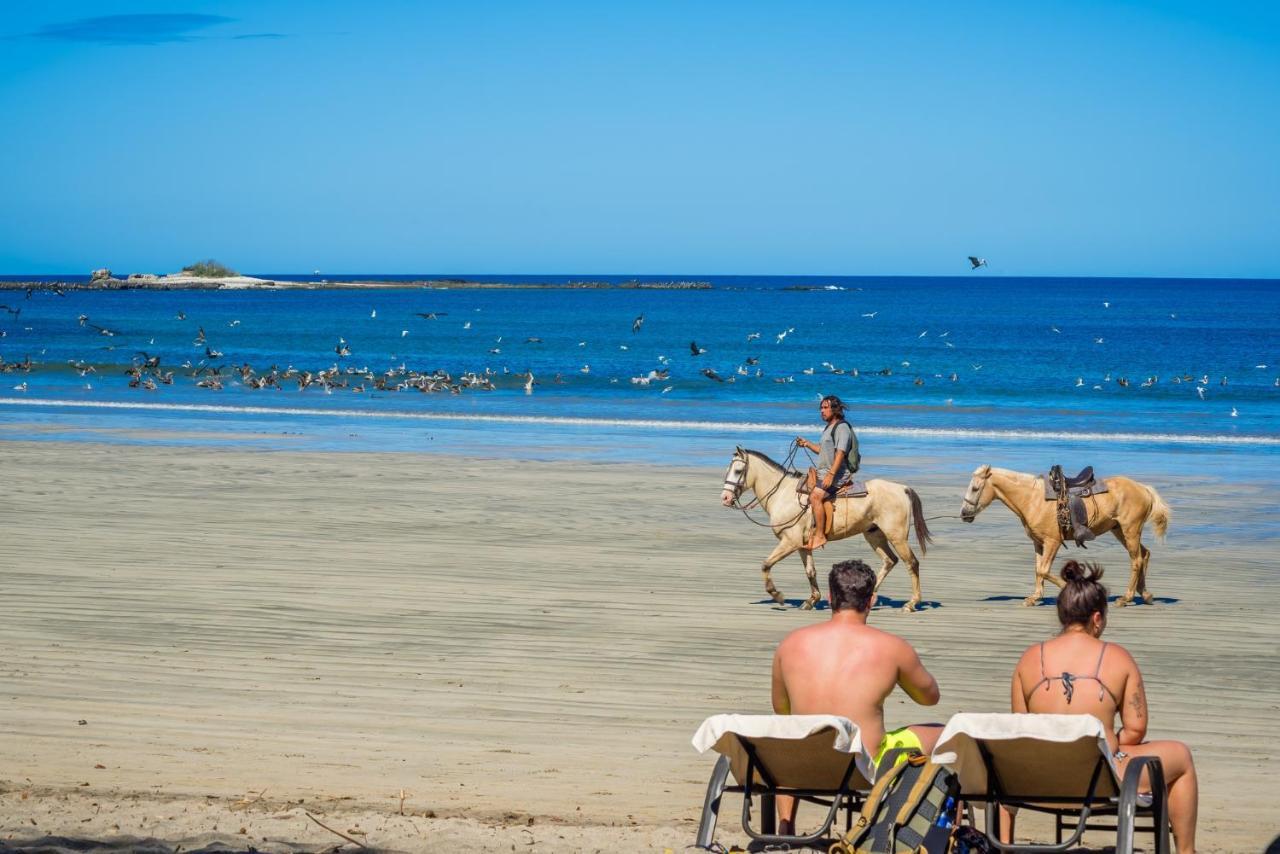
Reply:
x=838 y=459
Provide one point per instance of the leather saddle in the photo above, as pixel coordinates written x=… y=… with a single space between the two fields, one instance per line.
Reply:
x=1070 y=493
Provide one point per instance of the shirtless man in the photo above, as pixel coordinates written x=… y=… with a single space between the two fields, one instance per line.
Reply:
x=845 y=667
x=837 y=461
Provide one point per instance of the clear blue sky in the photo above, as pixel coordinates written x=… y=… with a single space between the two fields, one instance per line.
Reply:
x=1073 y=138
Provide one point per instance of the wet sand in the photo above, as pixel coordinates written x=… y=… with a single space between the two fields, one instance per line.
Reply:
x=201 y=640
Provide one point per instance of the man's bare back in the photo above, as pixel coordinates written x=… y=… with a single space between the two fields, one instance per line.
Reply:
x=845 y=667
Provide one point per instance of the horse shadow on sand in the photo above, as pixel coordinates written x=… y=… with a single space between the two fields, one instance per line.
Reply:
x=882 y=603
x=1053 y=600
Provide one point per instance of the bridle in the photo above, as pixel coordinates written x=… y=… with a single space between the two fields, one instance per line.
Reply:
x=740 y=483
x=970 y=509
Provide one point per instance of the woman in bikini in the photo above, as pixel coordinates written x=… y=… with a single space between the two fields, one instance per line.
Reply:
x=1076 y=673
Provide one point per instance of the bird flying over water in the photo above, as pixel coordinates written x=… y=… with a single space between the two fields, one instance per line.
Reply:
x=636 y=324
x=712 y=375
x=432 y=315
x=871 y=314
x=751 y=336
x=977 y=262
x=694 y=349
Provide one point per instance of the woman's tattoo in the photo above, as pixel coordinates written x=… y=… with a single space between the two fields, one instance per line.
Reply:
x=1136 y=701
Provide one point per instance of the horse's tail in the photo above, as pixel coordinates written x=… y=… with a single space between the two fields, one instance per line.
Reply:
x=917 y=516
x=1159 y=514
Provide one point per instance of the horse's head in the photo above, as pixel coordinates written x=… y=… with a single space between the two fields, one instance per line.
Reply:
x=978 y=495
x=735 y=478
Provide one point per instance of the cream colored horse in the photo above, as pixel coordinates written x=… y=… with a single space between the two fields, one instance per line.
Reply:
x=1123 y=509
x=884 y=516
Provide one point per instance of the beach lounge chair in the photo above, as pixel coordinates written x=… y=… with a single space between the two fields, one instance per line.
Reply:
x=1055 y=764
x=817 y=758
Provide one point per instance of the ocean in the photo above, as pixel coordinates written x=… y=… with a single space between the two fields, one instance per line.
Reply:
x=1147 y=372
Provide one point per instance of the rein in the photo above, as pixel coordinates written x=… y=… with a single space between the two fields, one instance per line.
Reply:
x=759 y=500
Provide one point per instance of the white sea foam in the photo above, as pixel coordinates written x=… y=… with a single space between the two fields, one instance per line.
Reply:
x=658 y=424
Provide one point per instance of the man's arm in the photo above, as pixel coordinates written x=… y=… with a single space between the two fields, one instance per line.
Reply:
x=835 y=467
x=915 y=679
x=781 y=702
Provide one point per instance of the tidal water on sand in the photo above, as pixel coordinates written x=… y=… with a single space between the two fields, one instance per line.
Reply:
x=1170 y=368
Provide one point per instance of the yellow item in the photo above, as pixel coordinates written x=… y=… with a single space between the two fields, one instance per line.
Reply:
x=898 y=738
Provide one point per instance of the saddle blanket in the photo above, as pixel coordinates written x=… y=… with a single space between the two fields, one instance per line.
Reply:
x=855 y=489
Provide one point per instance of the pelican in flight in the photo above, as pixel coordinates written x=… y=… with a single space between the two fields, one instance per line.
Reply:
x=977 y=262
x=636 y=324
x=695 y=350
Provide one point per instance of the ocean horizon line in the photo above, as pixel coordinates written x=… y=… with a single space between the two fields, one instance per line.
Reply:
x=666 y=277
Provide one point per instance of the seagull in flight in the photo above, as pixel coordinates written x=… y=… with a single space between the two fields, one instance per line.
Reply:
x=977 y=262
x=636 y=324
x=695 y=350
x=1098 y=340
x=922 y=334
x=871 y=314
x=433 y=315
x=1200 y=391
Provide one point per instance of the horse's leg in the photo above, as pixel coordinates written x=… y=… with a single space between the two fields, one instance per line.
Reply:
x=1147 y=596
x=783 y=549
x=1132 y=542
x=1045 y=553
x=811 y=571
x=903 y=548
x=880 y=543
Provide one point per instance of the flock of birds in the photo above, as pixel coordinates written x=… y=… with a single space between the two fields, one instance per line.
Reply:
x=211 y=370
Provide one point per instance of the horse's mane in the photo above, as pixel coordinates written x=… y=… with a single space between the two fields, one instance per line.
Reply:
x=1023 y=476
x=771 y=461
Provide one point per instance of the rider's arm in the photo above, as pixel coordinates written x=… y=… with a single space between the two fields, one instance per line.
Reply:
x=915 y=679
x=781 y=702
x=835 y=467
x=1133 y=708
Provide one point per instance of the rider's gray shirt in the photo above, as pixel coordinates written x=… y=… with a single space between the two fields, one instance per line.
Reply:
x=838 y=436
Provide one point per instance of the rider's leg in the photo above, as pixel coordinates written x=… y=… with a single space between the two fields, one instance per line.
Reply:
x=818 y=500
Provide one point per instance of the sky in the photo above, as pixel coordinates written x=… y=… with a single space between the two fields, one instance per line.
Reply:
x=799 y=138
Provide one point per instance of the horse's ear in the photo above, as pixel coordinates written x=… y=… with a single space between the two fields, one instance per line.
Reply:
x=983 y=470
x=738 y=449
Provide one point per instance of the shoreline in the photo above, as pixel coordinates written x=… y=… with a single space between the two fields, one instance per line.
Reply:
x=338 y=628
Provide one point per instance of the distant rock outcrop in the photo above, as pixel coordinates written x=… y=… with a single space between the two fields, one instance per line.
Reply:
x=100 y=275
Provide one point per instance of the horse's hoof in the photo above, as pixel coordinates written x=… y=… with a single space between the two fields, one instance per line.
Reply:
x=777 y=597
x=807 y=606
x=910 y=606
x=1148 y=598
x=1123 y=603
x=1030 y=602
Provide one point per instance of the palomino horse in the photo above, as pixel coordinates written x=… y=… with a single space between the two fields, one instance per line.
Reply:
x=884 y=516
x=1123 y=509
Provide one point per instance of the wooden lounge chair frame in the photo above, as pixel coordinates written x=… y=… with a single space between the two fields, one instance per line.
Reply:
x=846 y=796
x=1126 y=806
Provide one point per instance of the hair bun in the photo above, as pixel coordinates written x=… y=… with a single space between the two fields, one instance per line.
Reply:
x=1077 y=573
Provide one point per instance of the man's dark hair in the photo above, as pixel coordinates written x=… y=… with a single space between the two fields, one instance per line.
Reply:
x=837 y=405
x=852 y=585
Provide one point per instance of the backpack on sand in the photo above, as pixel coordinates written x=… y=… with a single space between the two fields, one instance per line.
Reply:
x=911 y=810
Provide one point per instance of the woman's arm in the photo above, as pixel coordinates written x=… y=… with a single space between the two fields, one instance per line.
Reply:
x=1017 y=696
x=1133 y=707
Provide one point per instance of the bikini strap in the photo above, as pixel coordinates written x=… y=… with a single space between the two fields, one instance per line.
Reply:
x=1043 y=673
x=1097 y=668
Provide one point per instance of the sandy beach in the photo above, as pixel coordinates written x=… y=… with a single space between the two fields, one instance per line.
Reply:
x=444 y=653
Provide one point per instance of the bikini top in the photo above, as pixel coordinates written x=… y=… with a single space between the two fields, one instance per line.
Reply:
x=1069 y=679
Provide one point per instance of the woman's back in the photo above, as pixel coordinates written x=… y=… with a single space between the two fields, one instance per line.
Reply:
x=1074 y=674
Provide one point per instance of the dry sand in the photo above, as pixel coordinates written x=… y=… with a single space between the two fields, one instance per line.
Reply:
x=204 y=644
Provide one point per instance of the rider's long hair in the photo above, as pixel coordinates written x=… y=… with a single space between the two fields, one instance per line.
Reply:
x=837 y=405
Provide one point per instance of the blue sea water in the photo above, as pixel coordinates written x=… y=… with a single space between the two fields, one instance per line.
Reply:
x=1030 y=365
